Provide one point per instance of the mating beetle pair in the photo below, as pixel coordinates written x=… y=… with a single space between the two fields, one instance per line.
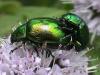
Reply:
x=69 y=30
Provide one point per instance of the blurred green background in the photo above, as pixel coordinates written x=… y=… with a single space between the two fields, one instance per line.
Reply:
x=14 y=11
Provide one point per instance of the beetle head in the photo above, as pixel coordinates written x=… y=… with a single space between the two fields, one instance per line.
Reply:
x=18 y=34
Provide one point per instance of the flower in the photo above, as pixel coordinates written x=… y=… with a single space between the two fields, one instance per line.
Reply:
x=20 y=61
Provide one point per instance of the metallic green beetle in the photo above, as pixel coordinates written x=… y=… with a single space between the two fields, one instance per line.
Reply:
x=40 y=30
x=79 y=27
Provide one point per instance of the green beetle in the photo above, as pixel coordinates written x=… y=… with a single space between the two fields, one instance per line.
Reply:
x=80 y=29
x=40 y=30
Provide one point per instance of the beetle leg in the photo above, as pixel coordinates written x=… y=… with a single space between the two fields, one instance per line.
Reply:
x=15 y=49
x=71 y=40
x=52 y=62
x=77 y=45
x=70 y=44
x=44 y=48
x=66 y=29
x=23 y=44
x=44 y=45
x=36 y=51
x=60 y=46
x=48 y=51
x=35 y=48
x=67 y=36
